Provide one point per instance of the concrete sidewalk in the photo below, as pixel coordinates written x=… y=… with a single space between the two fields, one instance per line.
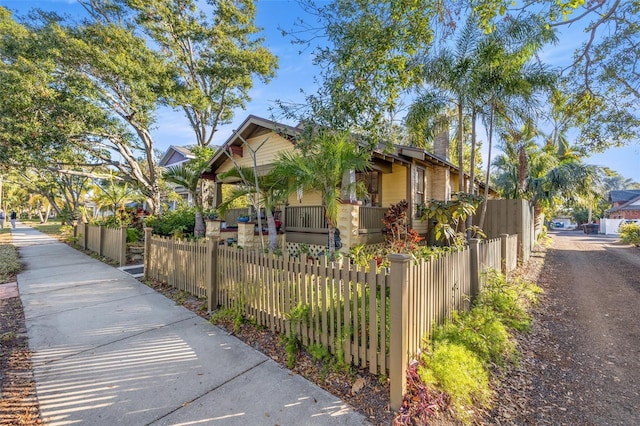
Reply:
x=108 y=350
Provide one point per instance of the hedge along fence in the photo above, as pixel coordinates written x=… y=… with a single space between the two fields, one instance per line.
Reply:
x=107 y=242
x=374 y=319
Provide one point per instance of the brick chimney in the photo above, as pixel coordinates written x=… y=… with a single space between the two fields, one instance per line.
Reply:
x=441 y=142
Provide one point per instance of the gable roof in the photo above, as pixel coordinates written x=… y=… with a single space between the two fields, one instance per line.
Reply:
x=632 y=204
x=250 y=127
x=175 y=155
x=623 y=196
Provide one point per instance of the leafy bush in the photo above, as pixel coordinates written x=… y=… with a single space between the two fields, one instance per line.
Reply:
x=481 y=331
x=66 y=216
x=134 y=235
x=509 y=300
x=114 y=221
x=66 y=233
x=400 y=237
x=180 y=221
x=630 y=233
x=454 y=364
x=460 y=373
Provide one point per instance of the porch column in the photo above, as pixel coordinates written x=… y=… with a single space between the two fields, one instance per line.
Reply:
x=348 y=225
x=216 y=194
x=246 y=235
x=213 y=229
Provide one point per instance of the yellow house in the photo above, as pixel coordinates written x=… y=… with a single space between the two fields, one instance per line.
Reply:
x=405 y=173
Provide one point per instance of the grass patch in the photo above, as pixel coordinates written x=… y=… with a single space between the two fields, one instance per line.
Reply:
x=5 y=235
x=50 y=228
x=9 y=263
x=233 y=316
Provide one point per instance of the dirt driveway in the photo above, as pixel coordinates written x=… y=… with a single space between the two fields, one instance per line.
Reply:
x=582 y=365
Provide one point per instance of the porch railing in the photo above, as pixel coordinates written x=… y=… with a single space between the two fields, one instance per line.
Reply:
x=305 y=219
x=231 y=216
x=370 y=218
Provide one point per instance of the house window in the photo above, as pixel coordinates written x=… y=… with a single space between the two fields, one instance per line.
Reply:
x=371 y=181
x=420 y=186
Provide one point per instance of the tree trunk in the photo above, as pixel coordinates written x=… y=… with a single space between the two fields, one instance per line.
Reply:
x=522 y=169
x=460 y=156
x=486 y=178
x=199 y=229
x=472 y=172
x=273 y=231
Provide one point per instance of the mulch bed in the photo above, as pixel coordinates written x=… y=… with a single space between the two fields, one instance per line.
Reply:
x=18 y=403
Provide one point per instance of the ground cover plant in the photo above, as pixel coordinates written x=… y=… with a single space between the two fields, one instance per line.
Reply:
x=9 y=262
x=452 y=373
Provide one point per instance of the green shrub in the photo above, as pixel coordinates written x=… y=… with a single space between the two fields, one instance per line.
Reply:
x=630 y=233
x=509 y=300
x=113 y=221
x=134 y=235
x=225 y=315
x=460 y=373
x=481 y=331
x=181 y=221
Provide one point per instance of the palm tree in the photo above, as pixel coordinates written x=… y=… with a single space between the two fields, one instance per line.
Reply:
x=507 y=82
x=187 y=175
x=272 y=190
x=112 y=193
x=544 y=179
x=328 y=155
x=450 y=74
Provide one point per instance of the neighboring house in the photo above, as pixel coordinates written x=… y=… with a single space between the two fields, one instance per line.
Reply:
x=625 y=204
x=405 y=173
x=174 y=156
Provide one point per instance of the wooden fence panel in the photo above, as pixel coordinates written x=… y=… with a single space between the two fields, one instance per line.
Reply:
x=181 y=264
x=341 y=308
x=114 y=244
x=490 y=252
x=94 y=238
x=512 y=252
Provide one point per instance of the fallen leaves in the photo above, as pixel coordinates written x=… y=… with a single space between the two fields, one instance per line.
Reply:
x=18 y=405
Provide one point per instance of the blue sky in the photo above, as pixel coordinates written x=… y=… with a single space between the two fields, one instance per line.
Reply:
x=296 y=72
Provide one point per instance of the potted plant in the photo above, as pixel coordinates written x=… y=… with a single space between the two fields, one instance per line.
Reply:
x=243 y=219
x=212 y=215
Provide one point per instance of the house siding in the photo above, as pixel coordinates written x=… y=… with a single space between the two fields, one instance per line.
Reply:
x=394 y=185
x=309 y=198
x=266 y=154
x=175 y=158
